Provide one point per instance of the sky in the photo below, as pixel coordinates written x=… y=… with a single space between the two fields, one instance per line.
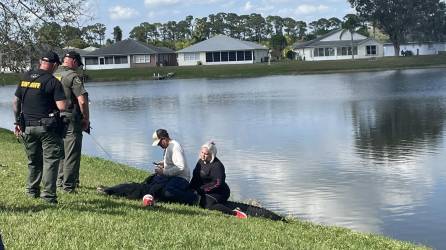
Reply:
x=130 y=13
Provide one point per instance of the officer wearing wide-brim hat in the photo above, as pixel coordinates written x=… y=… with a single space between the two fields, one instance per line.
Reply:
x=77 y=117
x=38 y=99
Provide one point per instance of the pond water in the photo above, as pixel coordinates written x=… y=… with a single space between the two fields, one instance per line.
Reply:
x=364 y=151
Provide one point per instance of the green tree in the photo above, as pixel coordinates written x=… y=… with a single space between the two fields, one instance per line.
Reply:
x=396 y=18
x=351 y=23
x=278 y=43
x=257 y=25
x=138 y=33
x=50 y=35
x=277 y=24
x=94 y=34
x=71 y=36
x=233 y=25
x=117 y=34
x=320 y=27
x=301 y=29
x=290 y=27
x=335 y=23
x=20 y=21
x=431 y=25
x=201 y=30
x=217 y=23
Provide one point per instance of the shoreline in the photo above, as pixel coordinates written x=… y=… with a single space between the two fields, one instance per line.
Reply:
x=257 y=70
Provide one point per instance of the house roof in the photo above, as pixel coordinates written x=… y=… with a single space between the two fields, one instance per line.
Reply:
x=81 y=52
x=338 y=43
x=222 y=43
x=129 y=47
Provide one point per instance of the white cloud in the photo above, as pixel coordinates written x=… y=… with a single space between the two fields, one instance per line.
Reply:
x=248 y=6
x=121 y=13
x=153 y=3
x=306 y=9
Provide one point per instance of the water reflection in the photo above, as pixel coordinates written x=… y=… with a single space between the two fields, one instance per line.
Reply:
x=361 y=150
x=395 y=130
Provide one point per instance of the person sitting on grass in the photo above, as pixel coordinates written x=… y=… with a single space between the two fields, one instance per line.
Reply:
x=208 y=180
x=169 y=183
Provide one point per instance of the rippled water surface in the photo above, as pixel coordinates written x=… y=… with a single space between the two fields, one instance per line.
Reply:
x=359 y=150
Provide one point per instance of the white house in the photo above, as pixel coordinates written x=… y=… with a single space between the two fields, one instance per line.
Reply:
x=222 y=49
x=426 y=48
x=337 y=45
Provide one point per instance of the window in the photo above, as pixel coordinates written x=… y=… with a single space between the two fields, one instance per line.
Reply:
x=224 y=56
x=216 y=56
x=121 y=60
x=370 y=50
x=91 y=61
x=209 y=57
x=109 y=60
x=191 y=56
x=347 y=51
x=240 y=55
x=324 y=52
x=248 y=55
x=231 y=55
x=142 y=58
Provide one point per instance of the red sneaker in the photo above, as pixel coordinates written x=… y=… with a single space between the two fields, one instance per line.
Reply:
x=148 y=200
x=239 y=214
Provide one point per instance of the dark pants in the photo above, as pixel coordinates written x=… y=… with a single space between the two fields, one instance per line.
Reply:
x=215 y=202
x=177 y=190
x=69 y=167
x=137 y=190
x=44 y=151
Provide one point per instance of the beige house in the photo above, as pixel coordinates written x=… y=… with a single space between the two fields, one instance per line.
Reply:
x=337 y=45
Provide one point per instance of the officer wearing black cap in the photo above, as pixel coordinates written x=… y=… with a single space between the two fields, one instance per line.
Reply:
x=78 y=118
x=39 y=98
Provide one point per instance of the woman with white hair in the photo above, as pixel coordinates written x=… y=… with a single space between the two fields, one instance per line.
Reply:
x=208 y=181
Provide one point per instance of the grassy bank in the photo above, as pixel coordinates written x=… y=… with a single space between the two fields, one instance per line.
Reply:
x=253 y=70
x=91 y=221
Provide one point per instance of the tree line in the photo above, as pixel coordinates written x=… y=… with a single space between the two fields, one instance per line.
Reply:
x=23 y=29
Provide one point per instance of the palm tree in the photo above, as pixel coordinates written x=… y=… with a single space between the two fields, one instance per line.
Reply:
x=351 y=23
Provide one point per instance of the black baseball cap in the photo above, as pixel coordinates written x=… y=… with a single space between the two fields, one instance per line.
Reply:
x=76 y=56
x=50 y=57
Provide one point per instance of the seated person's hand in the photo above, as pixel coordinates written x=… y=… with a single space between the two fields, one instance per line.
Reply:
x=159 y=170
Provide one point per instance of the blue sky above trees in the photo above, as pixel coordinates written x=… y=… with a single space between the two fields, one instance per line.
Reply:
x=130 y=13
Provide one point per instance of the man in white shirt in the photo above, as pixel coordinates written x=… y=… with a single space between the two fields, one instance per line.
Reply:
x=174 y=167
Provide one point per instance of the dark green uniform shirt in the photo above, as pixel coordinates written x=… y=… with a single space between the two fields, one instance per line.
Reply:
x=72 y=85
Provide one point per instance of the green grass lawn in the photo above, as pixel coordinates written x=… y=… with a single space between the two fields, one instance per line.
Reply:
x=91 y=221
x=254 y=70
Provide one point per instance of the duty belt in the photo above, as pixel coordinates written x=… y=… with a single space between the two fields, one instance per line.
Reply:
x=33 y=123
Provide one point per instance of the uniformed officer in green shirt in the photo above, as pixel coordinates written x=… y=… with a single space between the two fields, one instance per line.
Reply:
x=39 y=98
x=77 y=116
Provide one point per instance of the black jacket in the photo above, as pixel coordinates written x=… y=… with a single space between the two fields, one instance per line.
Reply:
x=210 y=178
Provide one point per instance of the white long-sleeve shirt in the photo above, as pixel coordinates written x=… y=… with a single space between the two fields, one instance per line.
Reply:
x=175 y=161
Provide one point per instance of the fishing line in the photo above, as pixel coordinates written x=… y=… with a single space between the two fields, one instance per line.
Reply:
x=100 y=146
